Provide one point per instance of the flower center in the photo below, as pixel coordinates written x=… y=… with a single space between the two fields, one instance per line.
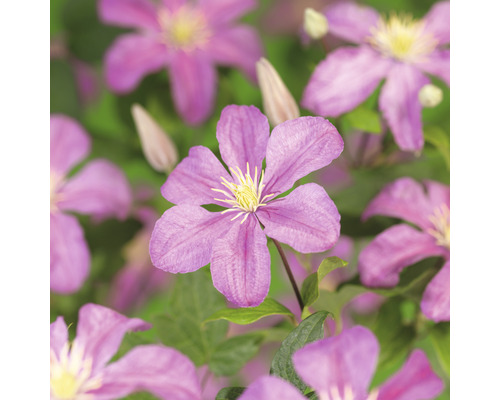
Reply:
x=70 y=374
x=244 y=196
x=56 y=181
x=184 y=29
x=441 y=221
x=402 y=38
x=334 y=394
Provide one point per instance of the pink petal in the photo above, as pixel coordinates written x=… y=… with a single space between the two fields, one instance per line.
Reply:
x=436 y=299
x=183 y=237
x=193 y=79
x=401 y=107
x=173 y=5
x=297 y=148
x=346 y=360
x=192 y=181
x=438 y=64
x=437 y=22
x=130 y=58
x=344 y=80
x=58 y=335
x=129 y=13
x=99 y=189
x=69 y=143
x=438 y=193
x=241 y=264
x=237 y=46
x=100 y=332
x=393 y=250
x=414 y=381
x=404 y=198
x=271 y=388
x=243 y=134
x=69 y=254
x=351 y=21
x=306 y=219
x=162 y=371
x=220 y=12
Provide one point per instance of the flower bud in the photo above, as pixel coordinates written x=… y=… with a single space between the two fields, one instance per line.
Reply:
x=279 y=104
x=315 y=24
x=158 y=148
x=430 y=95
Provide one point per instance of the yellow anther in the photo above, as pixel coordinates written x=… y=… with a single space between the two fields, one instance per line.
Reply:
x=441 y=221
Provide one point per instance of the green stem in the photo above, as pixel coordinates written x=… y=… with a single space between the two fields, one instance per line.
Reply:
x=290 y=275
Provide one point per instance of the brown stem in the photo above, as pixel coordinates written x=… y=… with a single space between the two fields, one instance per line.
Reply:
x=290 y=275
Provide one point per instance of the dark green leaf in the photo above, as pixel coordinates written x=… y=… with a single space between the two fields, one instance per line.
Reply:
x=309 y=330
x=245 y=316
x=230 y=393
x=192 y=300
x=232 y=354
x=438 y=138
x=440 y=337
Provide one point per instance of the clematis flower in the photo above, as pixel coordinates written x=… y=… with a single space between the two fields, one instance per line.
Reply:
x=99 y=189
x=187 y=236
x=189 y=38
x=80 y=370
x=427 y=207
x=341 y=368
x=400 y=49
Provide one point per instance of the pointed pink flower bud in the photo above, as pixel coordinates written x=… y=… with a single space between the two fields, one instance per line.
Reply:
x=279 y=104
x=158 y=148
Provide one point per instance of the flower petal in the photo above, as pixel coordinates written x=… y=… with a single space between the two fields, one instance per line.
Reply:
x=344 y=80
x=220 y=12
x=271 y=388
x=129 y=13
x=414 y=381
x=438 y=193
x=401 y=107
x=243 y=134
x=173 y=5
x=437 y=22
x=69 y=143
x=100 y=332
x=58 y=335
x=404 y=198
x=130 y=58
x=192 y=181
x=183 y=237
x=351 y=21
x=69 y=254
x=346 y=360
x=237 y=46
x=307 y=219
x=297 y=148
x=436 y=299
x=99 y=189
x=162 y=371
x=193 y=79
x=241 y=264
x=390 y=252
x=438 y=64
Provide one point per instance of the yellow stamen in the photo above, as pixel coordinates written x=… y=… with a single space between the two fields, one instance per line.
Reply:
x=441 y=221
x=244 y=196
x=56 y=181
x=403 y=38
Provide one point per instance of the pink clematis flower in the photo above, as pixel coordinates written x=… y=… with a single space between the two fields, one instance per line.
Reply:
x=187 y=236
x=99 y=189
x=189 y=38
x=427 y=207
x=399 y=49
x=80 y=370
x=341 y=368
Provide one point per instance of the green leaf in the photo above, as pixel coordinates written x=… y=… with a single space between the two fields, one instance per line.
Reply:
x=365 y=120
x=232 y=354
x=439 y=139
x=309 y=330
x=230 y=393
x=192 y=300
x=245 y=316
x=310 y=291
x=440 y=337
